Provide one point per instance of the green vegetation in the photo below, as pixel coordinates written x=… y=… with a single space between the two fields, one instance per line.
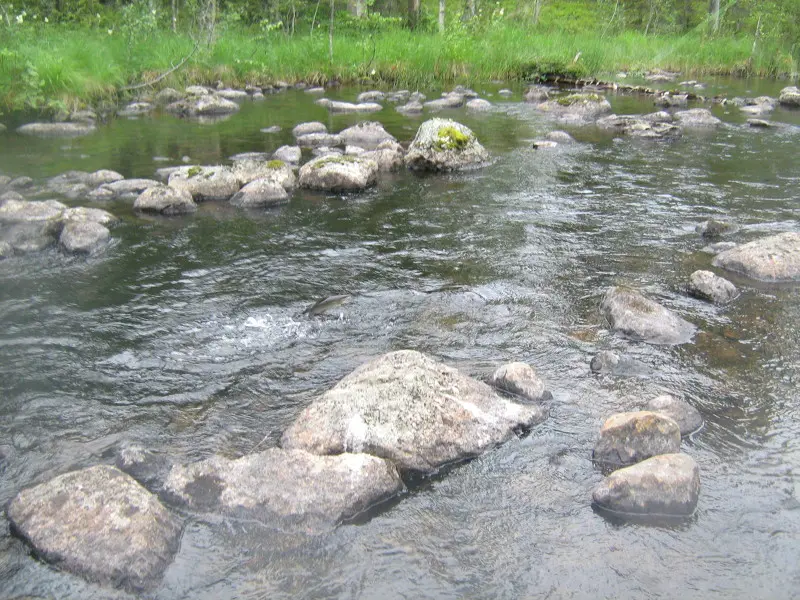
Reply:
x=193 y=171
x=98 y=51
x=571 y=99
x=275 y=164
x=451 y=138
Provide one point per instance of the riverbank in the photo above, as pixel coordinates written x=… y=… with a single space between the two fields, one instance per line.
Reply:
x=54 y=66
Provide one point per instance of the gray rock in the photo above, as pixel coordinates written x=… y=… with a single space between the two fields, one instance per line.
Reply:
x=235 y=95
x=88 y=215
x=417 y=97
x=398 y=96
x=536 y=94
x=775 y=258
x=83 y=237
x=412 y=410
x=661 y=76
x=276 y=171
x=326 y=151
x=4 y=179
x=560 y=137
x=684 y=414
x=666 y=485
x=135 y=109
x=335 y=106
x=389 y=156
x=339 y=173
x=696 y=117
x=100 y=524
x=542 y=144
x=520 y=379
x=206 y=183
x=165 y=200
x=100 y=194
x=129 y=189
x=198 y=90
x=669 y=100
x=445 y=145
x=410 y=108
x=660 y=116
x=628 y=438
x=57 y=129
x=367 y=134
x=286 y=487
x=167 y=96
x=372 y=96
x=479 y=105
x=632 y=314
x=718 y=247
x=206 y=105
x=309 y=128
x=707 y=286
x=607 y=362
x=24 y=211
x=6 y=251
x=315 y=90
x=32 y=236
x=451 y=100
x=354 y=150
x=790 y=96
x=20 y=183
x=11 y=195
x=250 y=156
x=505 y=93
x=272 y=129
x=260 y=193
x=714 y=228
x=635 y=126
x=760 y=123
x=580 y=106
x=288 y=154
x=318 y=140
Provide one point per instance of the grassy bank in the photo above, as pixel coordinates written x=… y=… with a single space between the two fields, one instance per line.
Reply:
x=57 y=66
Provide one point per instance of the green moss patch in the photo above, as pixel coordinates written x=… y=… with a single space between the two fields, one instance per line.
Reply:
x=275 y=164
x=193 y=171
x=575 y=98
x=450 y=138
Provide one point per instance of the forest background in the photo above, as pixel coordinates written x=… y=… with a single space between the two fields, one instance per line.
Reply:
x=65 y=53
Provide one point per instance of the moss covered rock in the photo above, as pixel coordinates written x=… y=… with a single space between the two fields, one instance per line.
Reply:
x=445 y=145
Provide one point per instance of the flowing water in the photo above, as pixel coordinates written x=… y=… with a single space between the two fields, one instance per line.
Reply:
x=185 y=337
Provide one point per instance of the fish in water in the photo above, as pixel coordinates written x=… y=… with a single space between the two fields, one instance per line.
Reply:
x=322 y=306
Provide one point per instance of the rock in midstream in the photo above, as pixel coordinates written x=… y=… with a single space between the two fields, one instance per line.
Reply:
x=335 y=106
x=57 y=129
x=128 y=189
x=336 y=173
x=479 y=105
x=635 y=126
x=100 y=524
x=684 y=414
x=135 y=109
x=582 y=106
x=371 y=96
x=288 y=154
x=449 y=100
x=309 y=128
x=628 y=438
x=410 y=108
x=411 y=409
x=367 y=134
x=260 y=193
x=665 y=485
x=318 y=140
x=708 y=286
x=205 y=105
x=389 y=156
x=714 y=228
x=286 y=487
x=790 y=96
x=611 y=363
x=445 y=145
x=520 y=379
x=165 y=200
x=696 y=118
x=247 y=171
x=206 y=183
x=633 y=315
x=774 y=258
x=83 y=237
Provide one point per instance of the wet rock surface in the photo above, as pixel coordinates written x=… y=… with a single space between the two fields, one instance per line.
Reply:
x=607 y=362
x=445 y=145
x=684 y=414
x=696 y=118
x=57 y=129
x=83 y=237
x=100 y=524
x=285 y=488
x=790 y=96
x=337 y=173
x=520 y=380
x=628 y=438
x=708 y=286
x=260 y=193
x=165 y=200
x=774 y=258
x=412 y=410
x=206 y=183
x=636 y=316
x=666 y=485
x=367 y=135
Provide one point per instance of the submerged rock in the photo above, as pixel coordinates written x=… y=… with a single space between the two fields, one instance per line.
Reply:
x=760 y=123
x=309 y=128
x=708 y=286
x=100 y=524
x=83 y=237
x=32 y=236
x=775 y=258
x=519 y=379
x=336 y=173
x=206 y=183
x=666 y=485
x=560 y=137
x=607 y=362
x=718 y=247
x=367 y=134
x=319 y=140
x=632 y=314
x=260 y=193
x=57 y=129
x=412 y=410
x=410 y=108
x=286 y=487
x=627 y=438
x=790 y=96
x=714 y=228
x=640 y=127
x=684 y=414
x=165 y=200
x=445 y=145
x=696 y=117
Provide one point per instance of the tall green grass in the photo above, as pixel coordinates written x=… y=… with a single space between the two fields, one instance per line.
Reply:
x=56 y=66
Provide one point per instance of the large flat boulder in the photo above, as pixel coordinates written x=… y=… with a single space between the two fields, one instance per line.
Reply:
x=100 y=524
x=206 y=183
x=582 y=106
x=337 y=173
x=24 y=211
x=628 y=438
x=57 y=129
x=696 y=118
x=665 y=485
x=445 y=145
x=83 y=237
x=636 y=316
x=411 y=409
x=285 y=487
x=775 y=258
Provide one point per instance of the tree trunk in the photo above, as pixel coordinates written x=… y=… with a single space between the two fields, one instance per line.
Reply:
x=330 y=33
x=413 y=13
x=713 y=9
x=441 y=15
x=471 y=8
x=537 y=9
x=174 y=16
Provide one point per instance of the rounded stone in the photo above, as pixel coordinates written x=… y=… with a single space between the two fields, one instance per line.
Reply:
x=708 y=286
x=165 y=200
x=83 y=237
x=633 y=315
x=684 y=414
x=773 y=259
x=520 y=379
x=628 y=438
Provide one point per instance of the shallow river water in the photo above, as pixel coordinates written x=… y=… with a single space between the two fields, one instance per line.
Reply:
x=184 y=336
